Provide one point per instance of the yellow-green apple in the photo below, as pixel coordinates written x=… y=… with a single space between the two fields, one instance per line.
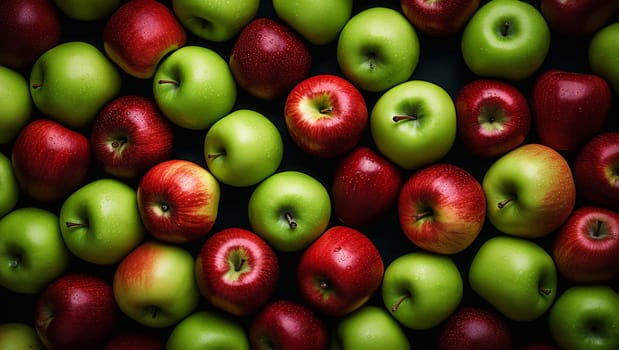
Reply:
x=415 y=117
x=505 y=39
x=515 y=275
x=377 y=49
x=439 y=18
x=493 y=117
x=194 y=87
x=208 y=329
x=15 y=104
x=9 y=188
x=586 y=247
x=50 y=160
x=289 y=209
x=340 y=271
x=268 y=59
x=530 y=191
x=19 y=335
x=288 y=324
x=76 y=311
x=139 y=33
x=603 y=46
x=442 y=208
x=100 y=221
x=155 y=286
x=474 y=327
x=178 y=201
x=421 y=289
x=32 y=250
x=578 y=18
x=243 y=148
x=94 y=10
x=325 y=115
x=237 y=271
x=136 y=339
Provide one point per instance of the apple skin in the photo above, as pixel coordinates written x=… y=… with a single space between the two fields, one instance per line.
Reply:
x=325 y=115
x=208 y=330
x=439 y=18
x=237 y=271
x=139 y=34
x=50 y=160
x=493 y=117
x=560 y=98
x=130 y=135
x=87 y=11
x=602 y=47
x=9 y=188
x=474 y=327
x=442 y=208
x=577 y=18
x=586 y=247
x=18 y=336
x=268 y=59
x=15 y=102
x=340 y=271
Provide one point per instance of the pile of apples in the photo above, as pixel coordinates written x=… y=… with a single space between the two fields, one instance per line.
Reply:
x=309 y=174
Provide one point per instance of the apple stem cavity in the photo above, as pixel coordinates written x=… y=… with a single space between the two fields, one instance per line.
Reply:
x=168 y=81
x=290 y=219
x=506 y=29
x=119 y=143
x=326 y=110
x=504 y=202
x=239 y=264
x=423 y=214
x=396 y=306
x=598 y=231
x=397 y=118
x=545 y=291
x=37 y=85
x=75 y=224
x=15 y=261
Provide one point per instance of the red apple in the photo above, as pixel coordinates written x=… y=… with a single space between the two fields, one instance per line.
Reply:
x=596 y=170
x=569 y=107
x=139 y=34
x=76 y=311
x=325 y=115
x=287 y=324
x=442 y=208
x=237 y=271
x=365 y=186
x=130 y=135
x=339 y=271
x=268 y=59
x=178 y=201
x=134 y=340
x=493 y=117
x=578 y=17
x=586 y=246
x=472 y=328
x=29 y=28
x=50 y=160
x=439 y=17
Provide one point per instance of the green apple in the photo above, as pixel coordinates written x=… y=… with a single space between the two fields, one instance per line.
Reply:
x=9 y=188
x=32 y=252
x=517 y=276
x=603 y=53
x=369 y=328
x=378 y=48
x=243 y=148
x=208 y=330
x=215 y=20
x=100 y=221
x=506 y=39
x=19 y=336
x=586 y=317
x=422 y=289
x=91 y=10
x=194 y=87
x=15 y=104
x=289 y=209
x=318 y=21
x=71 y=81
x=414 y=123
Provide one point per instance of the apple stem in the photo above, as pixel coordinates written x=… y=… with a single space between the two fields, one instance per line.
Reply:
x=239 y=264
x=423 y=214
x=154 y=312
x=504 y=202
x=397 y=118
x=165 y=207
x=213 y=155
x=327 y=110
x=597 y=233
x=167 y=81
x=75 y=224
x=290 y=219
x=36 y=85
x=15 y=261
x=506 y=29
x=545 y=291
x=119 y=143
x=324 y=285
x=395 y=307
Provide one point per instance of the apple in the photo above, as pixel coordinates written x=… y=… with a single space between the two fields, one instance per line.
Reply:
x=319 y=22
x=377 y=49
x=50 y=160
x=237 y=271
x=208 y=330
x=586 y=247
x=596 y=170
x=93 y=10
x=135 y=339
x=289 y=210
x=268 y=59
x=215 y=21
x=602 y=47
x=243 y=148
x=439 y=18
x=9 y=188
x=76 y=311
x=474 y=327
x=586 y=317
x=493 y=117
x=577 y=18
x=505 y=39
x=31 y=249
x=139 y=33
x=421 y=289
x=15 y=102
x=339 y=271
x=415 y=117
x=530 y=191
x=365 y=185
x=178 y=201
x=29 y=27
x=18 y=336
x=515 y=275
x=154 y=285
x=288 y=324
